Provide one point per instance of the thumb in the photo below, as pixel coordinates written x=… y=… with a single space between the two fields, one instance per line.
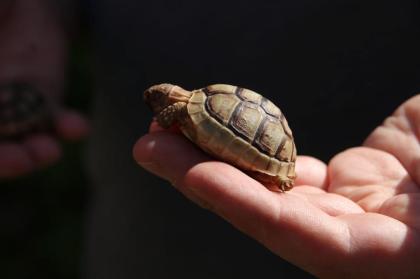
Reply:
x=71 y=125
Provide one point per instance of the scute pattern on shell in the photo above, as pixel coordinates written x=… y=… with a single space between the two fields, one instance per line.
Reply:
x=253 y=118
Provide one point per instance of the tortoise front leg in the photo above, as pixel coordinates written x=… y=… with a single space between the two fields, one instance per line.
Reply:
x=170 y=114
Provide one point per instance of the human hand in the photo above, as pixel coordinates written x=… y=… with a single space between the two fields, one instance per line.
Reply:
x=357 y=217
x=33 y=51
x=36 y=151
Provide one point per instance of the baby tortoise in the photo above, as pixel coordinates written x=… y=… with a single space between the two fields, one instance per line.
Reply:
x=23 y=110
x=233 y=124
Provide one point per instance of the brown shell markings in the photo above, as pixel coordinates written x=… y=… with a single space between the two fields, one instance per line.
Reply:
x=233 y=124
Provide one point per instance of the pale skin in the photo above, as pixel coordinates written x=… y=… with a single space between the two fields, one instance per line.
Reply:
x=357 y=217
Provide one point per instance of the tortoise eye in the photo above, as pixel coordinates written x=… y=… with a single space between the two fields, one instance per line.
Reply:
x=155 y=99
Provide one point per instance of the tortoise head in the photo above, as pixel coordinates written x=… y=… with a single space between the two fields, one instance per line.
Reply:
x=160 y=96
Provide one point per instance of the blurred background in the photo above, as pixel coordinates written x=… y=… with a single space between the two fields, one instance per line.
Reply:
x=336 y=69
x=43 y=214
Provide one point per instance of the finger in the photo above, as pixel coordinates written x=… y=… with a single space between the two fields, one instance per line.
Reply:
x=241 y=200
x=42 y=149
x=153 y=151
x=158 y=141
x=399 y=135
x=154 y=127
x=71 y=125
x=35 y=152
x=311 y=171
x=14 y=161
x=405 y=208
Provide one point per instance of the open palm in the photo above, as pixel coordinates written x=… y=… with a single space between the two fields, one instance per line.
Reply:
x=358 y=216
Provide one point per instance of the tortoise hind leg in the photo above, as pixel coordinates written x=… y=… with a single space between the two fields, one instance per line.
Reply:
x=283 y=183
x=170 y=114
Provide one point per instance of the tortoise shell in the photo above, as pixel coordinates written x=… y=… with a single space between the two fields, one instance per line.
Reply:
x=23 y=110
x=234 y=124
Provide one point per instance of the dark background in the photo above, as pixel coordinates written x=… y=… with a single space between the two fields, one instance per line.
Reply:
x=42 y=215
x=335 y=68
